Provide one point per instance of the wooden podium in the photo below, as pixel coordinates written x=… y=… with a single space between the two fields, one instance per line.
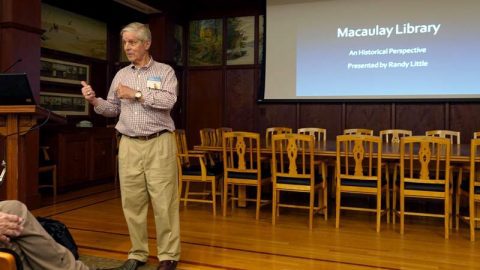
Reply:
x=21 y=153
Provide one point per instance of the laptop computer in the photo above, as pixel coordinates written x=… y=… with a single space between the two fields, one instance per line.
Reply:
x=15 y=89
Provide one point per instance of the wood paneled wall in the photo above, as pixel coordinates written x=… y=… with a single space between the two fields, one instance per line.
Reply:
x=227 y=96
x=207 y=96
x=212 y=103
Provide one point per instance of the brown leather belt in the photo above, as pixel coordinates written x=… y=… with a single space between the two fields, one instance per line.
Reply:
x=147 y=137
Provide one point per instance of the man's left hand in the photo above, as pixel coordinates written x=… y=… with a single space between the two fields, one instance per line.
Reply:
x=125 y=92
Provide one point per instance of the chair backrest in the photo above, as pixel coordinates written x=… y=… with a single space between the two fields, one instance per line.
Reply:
x=359 y=157
x=293 y=158
x=454 y=136
x=476 y=134
x=320 y=134
x=208 y=137
x=358 y=131
x=425 y=160
x=474 y=171
x=241 y=153
x=275 y=130
x=182 y=147
x=394 y=135
x=9 y=260
x=219 y=133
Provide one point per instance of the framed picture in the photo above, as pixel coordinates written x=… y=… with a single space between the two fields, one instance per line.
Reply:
x=240 y=40
x=73 y=33
x=64 y=104
x=178 y=51
x=52 y=70
x=261 y=36
x=205 y=46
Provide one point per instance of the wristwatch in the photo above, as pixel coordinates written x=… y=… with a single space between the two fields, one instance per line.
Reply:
x=138 y=95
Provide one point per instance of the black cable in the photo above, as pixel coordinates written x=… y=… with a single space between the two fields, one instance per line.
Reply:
x=24 y=132
x=30 y=129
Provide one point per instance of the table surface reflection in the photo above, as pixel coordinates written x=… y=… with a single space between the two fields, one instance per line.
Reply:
x=459 y=152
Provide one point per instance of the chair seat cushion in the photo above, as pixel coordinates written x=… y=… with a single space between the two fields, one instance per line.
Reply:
x=361 y=183
x=195 y=170
x=246 y=175
x=425 y=187
x=298 y=181
x=466 y=186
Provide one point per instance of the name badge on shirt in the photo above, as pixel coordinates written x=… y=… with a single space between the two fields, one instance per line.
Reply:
x=154 y=83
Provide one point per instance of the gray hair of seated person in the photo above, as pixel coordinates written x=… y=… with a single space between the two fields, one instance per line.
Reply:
x=142 y=31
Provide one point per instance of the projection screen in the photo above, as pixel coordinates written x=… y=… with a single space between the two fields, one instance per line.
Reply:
x=372 y=49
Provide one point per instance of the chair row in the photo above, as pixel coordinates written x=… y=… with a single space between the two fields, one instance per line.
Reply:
x=292 y=169
x=424 y=173
x=213 y=137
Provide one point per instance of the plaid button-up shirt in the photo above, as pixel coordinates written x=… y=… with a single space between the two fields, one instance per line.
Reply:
x=151 y=116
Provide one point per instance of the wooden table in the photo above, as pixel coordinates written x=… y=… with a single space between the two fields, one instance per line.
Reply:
x=460 y=155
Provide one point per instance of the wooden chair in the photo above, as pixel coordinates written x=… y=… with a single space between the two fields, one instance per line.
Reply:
x=47 y=166
x=453 y=136
x=394 y=135
x=208 y=137
x=275 y=130
x=391 y=138
x=242 y=166
x=219 y=134
x=425 y=174
x=359 y=171
x=470 y=189
x=294 y=170
x=358 y=131
x=9 y=260
x=476 y=135
x=320 y=134
x=192 y=167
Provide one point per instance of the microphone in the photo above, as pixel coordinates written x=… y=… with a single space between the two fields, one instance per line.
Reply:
x=12 y=65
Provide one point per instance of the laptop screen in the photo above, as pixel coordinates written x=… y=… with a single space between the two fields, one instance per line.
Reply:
x=15 y=89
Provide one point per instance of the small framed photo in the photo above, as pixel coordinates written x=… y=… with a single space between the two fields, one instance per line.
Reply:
x=53 y=70
x=64 y=104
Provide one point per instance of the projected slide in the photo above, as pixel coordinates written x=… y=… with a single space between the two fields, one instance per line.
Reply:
x=376 y=49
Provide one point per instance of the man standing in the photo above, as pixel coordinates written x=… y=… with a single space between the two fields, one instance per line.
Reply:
x=143 y=94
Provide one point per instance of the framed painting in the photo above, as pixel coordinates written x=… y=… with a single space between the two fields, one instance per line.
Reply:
x=240 y=40
x=64 y=104
x=261 y=38
x=205 y=46
x=178 y=50
x=69 y=32
x=53 y=70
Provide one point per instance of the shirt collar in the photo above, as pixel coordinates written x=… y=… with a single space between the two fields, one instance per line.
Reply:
x=149 y=64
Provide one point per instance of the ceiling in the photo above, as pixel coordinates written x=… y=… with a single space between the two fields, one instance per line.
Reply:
x=111 y=11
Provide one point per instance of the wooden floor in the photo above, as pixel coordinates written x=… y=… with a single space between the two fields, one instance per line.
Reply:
x=239 y=242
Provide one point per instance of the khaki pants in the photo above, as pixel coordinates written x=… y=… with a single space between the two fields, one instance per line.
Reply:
x=37 y=249
x=148 y=170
